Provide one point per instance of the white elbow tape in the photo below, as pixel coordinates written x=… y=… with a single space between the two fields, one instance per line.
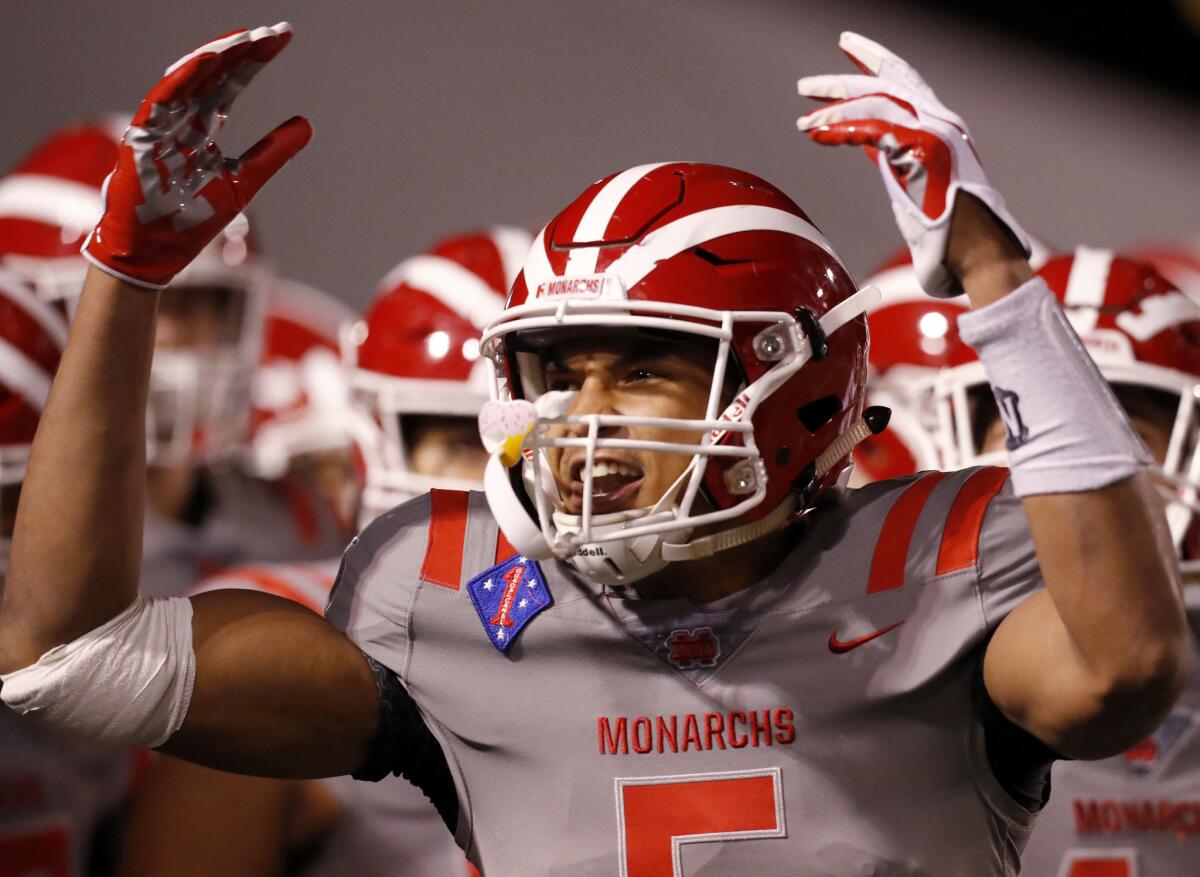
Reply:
x=128 y=682
x=1066 y=431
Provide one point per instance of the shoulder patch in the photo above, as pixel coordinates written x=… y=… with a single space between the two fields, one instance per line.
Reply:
x=507 y=597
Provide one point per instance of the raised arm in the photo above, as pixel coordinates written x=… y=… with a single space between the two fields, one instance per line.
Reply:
x=1092 y=663
x=265 y=686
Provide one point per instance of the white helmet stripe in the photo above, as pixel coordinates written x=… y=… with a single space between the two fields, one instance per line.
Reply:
x=52 y=322
x=50 y=200
x=675 y=237
x=1086 y=287
x=513 y=246
x=537 y=264
x=23 y=376
x=458 y=288
x=594 y=222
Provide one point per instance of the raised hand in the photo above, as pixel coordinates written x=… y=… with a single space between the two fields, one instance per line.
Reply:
x=172 y=190
x=923 y=150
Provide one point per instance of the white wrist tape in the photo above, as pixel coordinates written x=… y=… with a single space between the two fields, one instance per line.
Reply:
x=1066 y=430
x=128 y=682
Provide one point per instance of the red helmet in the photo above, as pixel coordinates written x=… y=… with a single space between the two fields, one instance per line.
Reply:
x=51 y=200
x=299 y=394
x=701 y=251
x=1142 y=333
x=199 y=397
x=416 y=352
x=32 y=335
x=1178 y=262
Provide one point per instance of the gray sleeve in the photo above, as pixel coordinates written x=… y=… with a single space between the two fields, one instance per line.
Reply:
x=372 y=598
x=1008 y=566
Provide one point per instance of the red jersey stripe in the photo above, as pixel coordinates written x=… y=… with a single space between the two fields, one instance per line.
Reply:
x=447 y=533
x=504 y=549
x=891 y=551
x=964 y=524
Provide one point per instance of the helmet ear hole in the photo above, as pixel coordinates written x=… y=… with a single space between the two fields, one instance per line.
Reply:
x=817 y=413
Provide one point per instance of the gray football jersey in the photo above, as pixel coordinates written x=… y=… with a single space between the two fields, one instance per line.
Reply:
x=54 y=795
x=248 y=520
x=818 y=723
x=387 y=829
x=1134 y=815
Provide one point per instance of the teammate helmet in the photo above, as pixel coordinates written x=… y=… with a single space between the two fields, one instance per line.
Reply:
x=1144 y=336
x=300 y=393
x=51 y=200
x=32 y=335
x=199 y=397
x=416 y=354
x=696 y=251
x=1178 y=262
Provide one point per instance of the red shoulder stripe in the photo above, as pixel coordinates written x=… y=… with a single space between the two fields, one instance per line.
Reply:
x=504 y=549
x=891 y=551
x=447 y=533
x=964 y=524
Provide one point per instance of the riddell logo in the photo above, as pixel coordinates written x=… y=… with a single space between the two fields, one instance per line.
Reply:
x=594 y=551
x=687 y=649
x=732 y=414
x=591 y=287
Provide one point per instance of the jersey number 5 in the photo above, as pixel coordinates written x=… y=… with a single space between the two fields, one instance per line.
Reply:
x=1100 y=863
x=658 y=815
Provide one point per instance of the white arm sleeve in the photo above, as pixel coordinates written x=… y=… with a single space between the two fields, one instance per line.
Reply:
x=128 y=682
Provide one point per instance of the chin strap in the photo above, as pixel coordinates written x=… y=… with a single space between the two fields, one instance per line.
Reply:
x=706 y=546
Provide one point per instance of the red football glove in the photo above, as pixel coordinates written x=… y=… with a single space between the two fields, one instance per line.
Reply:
x=172 y=190
x=922 y=149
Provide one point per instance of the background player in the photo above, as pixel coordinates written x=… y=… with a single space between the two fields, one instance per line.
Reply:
x=417 y=351
x=1080 y=675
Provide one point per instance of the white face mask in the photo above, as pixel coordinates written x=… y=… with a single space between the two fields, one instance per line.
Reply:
x=623 y=547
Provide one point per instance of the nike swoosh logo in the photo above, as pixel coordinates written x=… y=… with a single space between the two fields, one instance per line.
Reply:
x=838 y=647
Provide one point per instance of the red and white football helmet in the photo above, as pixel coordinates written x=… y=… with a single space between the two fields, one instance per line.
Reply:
x=416 y=353
x=199 y=398
x=1178 y=262
x=701 y=251
x=32 y=336
x=1142 y=333
x=300 y=393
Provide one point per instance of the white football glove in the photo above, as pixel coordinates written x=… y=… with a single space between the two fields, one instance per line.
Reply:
x=922 y=149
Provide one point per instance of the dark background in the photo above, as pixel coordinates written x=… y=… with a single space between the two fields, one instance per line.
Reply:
x=437 y=117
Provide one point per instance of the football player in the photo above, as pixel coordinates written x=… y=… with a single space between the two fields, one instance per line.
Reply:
x=417 y=369
x=202 y=513
x=701 y=657
x=417 y=372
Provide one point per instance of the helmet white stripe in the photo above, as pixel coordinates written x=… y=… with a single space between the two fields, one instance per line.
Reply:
x=458 y=288
x=537 y=264
x=1085 y=288
x=689 y=231
x=23 y=376
x=50 y=200
x=52 y=322
x=594 y=222
x=513 y=246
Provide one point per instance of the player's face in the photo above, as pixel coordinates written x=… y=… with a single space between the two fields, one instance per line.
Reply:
x=631 y=377
x=199 y=317
x=445 y=446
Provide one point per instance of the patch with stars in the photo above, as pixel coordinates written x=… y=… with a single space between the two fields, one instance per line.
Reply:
x=507 y=597
x=1147 y=757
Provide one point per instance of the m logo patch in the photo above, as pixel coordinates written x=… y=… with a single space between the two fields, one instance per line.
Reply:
x=688 y=649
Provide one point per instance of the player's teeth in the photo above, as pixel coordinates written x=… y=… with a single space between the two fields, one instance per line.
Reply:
x=599 y=470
